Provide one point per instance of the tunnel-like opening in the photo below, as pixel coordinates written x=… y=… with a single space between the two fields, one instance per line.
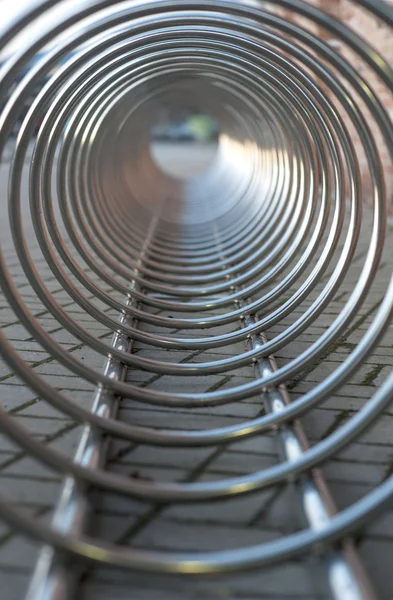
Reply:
x=231 y=239
x=185 y=144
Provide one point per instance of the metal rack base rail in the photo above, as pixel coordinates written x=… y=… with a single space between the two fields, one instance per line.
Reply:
x=269 y=228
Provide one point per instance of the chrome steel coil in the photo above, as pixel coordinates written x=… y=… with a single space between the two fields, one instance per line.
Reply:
x=241 y=245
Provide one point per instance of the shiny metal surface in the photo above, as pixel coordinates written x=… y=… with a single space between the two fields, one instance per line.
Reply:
x=343 y=571
x=51 y=578
x=275 y=218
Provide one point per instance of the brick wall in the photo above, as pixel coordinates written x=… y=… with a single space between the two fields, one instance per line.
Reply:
x=380 y=36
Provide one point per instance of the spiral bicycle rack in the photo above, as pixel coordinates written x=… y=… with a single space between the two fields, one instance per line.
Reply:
x=201 y=265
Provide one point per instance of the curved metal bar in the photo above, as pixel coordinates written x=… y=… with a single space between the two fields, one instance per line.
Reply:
x=264 y=237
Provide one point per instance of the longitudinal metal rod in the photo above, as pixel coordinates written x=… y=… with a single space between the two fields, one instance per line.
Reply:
x=53 y=579
x=345 y=574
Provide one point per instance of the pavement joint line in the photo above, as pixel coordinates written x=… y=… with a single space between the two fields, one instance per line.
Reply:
x=362 y=319
x=47 y=440
x=388 y=473
x=340 y=418
x=180 y=411
x=158 y=376
x=222 y=524
x=122 y=452
x=263 y=511
x=38 y=478
x=340 y=342
x=11 y=534
x=372 y=375
x=47 y=418
x=219 y=384
x=156 y=510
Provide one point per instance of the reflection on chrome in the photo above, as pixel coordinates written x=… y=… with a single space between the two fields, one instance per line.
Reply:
x=241 y=242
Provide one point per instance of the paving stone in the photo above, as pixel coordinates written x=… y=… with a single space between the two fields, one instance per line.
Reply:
x=241 y=463
x=13 y=396
x=238 y=511
x=43 y=426
x=185 y=536
x=375 y=554
x=188 y=458
x=291 y=581
x=18 y=551
x=15 y=583
x=29 y=489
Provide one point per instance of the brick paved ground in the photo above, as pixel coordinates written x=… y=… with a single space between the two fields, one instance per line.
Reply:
x=254 y=519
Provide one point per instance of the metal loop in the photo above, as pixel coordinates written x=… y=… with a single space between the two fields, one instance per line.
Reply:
x=264 y=237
